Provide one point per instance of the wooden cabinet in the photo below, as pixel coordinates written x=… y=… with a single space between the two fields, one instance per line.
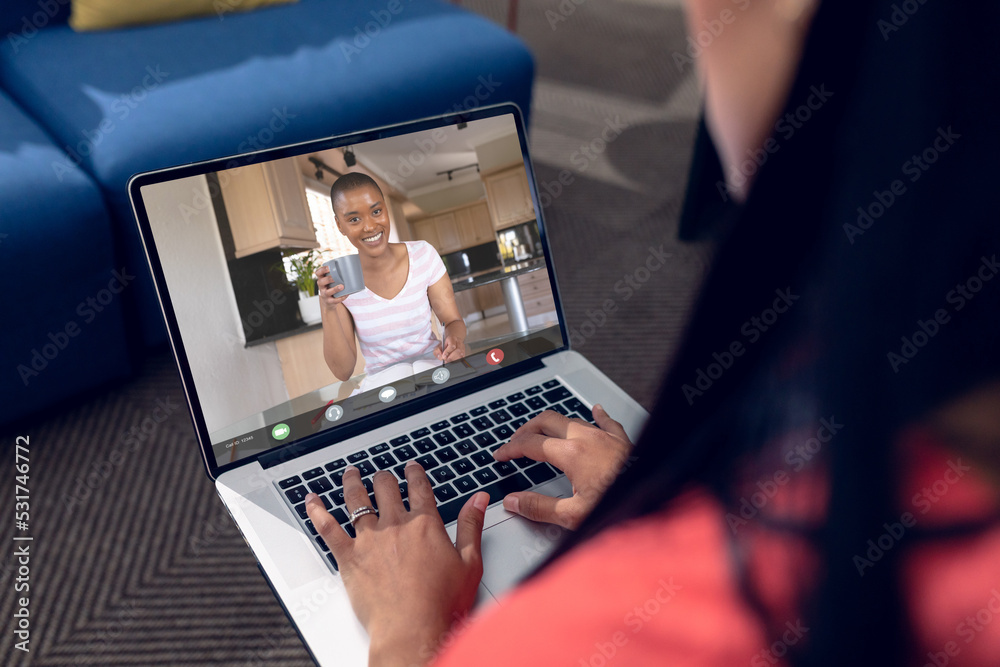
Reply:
x=266 y=206
x=509 y=197
x=474 y=225
x=456 y=228
x=536 y=292
x=489 y=296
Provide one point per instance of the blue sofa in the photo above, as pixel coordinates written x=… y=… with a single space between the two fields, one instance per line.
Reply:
x=81 y=112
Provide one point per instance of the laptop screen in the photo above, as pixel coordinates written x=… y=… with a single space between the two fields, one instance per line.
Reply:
x=431 y=229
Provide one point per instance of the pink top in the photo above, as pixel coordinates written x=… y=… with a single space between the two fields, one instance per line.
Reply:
x=397 y=329
x=660 y=590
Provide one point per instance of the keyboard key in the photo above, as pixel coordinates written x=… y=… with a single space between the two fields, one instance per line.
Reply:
x=534 y=414
x=445 y=492
x=485 y=439
x=320 y=485
x=424 y=445
x=497 y=404
x=503 y=432
x=576 y=405
x=482 y=458
x=482 y=423
x=445 y=437
x=357 y=456
x=463 y=466
x=339 y=515
x=559 y=408
x=513 y=398
x=301 y=510
x=440 y=426
x=485 y=475
x=446 y=454
x=400 y=471
x=540 y=473
x=420 y=433
x=518 y=409
x=366 y=468
x=465 y=447
x=531 y=391
x=536 y=403
x=550 y=384
x=405 y=453
x=333 y=562
x=465 y=484
x=296 y=494
x=504 y=468
x=401 y=440
x=368 y=485
x=289 y=483
x=383 y=461
x=378 y=449
x=500 y=416
x=557 y=394
x=458 y=419
x=403 y=489
x=312 y=474
x=449 y=511
x=337 y=477
x=311 y=528
x=337 y=497
x=481 y=410
x=518 y=423
x=350 y=530
x=427 y=462
x=322 y=543
x=523 y=462
x=333 y=466
x=443 y=474
x=463 y=430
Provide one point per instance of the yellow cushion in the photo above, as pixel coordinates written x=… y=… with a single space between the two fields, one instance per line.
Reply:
x=105 y=14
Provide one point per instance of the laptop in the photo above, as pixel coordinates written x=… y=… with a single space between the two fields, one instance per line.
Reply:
x=273 y=423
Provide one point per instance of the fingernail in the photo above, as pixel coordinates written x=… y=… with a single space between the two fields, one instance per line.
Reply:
x=511 y=504
x=411 y=463
x=311 y=496
x=481 y=501
x=598 y=406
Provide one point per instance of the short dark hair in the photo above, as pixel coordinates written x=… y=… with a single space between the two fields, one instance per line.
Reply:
x=352 y=181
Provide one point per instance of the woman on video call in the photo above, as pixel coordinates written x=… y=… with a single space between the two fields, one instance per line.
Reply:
x=404 y=283
x=833 y=498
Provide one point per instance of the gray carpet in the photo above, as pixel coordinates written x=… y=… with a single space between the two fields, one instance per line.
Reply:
x=135 y=561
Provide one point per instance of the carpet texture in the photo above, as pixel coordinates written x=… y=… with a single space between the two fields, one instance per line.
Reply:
x=134 y=560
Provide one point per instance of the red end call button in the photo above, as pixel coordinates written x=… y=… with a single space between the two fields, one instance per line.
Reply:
x=494 y=356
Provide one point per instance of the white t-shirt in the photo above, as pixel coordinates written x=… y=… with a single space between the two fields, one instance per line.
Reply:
x=393 y=330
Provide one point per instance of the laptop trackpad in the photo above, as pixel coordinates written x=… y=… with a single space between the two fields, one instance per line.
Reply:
x=513 y=548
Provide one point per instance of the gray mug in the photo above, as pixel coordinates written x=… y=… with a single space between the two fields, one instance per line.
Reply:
x=346 y=271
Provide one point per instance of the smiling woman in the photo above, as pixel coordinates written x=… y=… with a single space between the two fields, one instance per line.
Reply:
x=405 y=283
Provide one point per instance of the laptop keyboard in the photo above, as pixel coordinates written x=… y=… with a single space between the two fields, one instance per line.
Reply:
x=456 y=454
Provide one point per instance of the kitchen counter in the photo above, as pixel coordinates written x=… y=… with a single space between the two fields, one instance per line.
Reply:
x=480 y=278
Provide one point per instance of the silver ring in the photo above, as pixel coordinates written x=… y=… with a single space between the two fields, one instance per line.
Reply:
x=360 y=512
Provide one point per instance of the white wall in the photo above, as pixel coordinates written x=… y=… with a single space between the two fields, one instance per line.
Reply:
x=501 y=152
x=233 y=382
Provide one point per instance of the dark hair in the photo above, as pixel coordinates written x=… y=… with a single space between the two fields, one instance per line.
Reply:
x=352 y=181
x=861 y=284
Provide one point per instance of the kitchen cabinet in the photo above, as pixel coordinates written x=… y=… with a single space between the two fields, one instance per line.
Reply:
x=509 y=197
x=303 y=365
x=455 y=229
x=474 y=225
x=536 y=292
x=267 y=208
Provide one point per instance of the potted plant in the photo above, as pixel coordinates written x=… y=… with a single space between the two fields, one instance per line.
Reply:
x=305 y=265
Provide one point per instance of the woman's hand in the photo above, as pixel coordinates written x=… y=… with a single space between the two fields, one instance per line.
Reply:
x=406 y=581
x=452 y=348
x=591 y=457
x=327 y=288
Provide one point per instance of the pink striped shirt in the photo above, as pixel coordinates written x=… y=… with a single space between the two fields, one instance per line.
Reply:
x=393 y=330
